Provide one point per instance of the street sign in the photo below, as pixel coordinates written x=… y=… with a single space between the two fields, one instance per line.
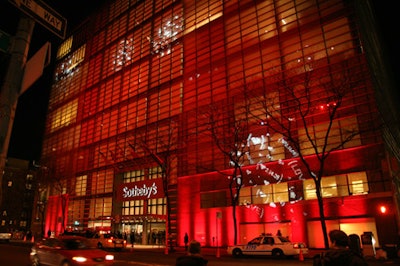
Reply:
x=5 y=40
x=44 y=15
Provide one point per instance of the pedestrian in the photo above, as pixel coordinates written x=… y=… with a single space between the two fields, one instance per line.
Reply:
x=278 y=233
x=49 y=233
x=339 y=252
x=186 y=240
x=132 y=236
x=193 y=256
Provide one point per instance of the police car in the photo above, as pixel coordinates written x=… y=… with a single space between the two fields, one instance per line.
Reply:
x=269 y=245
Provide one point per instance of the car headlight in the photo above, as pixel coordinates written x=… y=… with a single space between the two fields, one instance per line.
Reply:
x=109 y=257
x=79 y=259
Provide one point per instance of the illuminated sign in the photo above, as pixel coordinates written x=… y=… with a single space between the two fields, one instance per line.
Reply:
x=149 y=189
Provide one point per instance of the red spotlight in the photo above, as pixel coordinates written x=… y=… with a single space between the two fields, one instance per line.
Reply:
x=383 y=209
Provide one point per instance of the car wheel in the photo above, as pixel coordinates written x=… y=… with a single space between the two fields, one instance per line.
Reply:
x=35 y=261
x=277 y=253
x=237 y=252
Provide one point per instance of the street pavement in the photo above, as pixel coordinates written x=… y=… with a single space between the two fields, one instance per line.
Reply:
x=218 y=254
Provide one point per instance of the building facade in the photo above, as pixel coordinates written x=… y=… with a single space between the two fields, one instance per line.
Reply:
x=17 y=194
x=167 y=117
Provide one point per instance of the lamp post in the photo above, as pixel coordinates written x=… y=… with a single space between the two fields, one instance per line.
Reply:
x=217 y=218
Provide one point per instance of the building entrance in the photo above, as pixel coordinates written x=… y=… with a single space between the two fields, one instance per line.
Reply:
x=144 y=232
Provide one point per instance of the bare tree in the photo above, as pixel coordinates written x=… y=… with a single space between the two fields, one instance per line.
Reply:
x=309 y=111
x=230 y=134
x=42 y=185
x=163 y=151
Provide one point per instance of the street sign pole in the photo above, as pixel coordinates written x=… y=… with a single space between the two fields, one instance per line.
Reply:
x=35 y=11
x=11 y=88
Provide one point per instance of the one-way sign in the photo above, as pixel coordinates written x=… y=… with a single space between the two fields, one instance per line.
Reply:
x=43 y=14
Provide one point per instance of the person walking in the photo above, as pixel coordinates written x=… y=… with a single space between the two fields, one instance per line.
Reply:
x=339 y=252
x=132 y=238
x=193 y=256
x=186 y=240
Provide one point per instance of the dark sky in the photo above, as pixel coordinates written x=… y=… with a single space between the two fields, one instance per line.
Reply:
x=32 y=105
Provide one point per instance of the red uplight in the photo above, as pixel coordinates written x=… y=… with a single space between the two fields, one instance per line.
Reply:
x=382 y=209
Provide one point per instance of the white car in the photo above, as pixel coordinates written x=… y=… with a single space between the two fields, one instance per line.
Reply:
x=104 y=241
x=269 y=245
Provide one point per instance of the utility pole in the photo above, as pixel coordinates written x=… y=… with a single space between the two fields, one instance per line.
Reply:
x=11 y=88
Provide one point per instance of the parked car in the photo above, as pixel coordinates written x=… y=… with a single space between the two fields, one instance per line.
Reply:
x=267 y=244
x=68 y=251
x=105 y=241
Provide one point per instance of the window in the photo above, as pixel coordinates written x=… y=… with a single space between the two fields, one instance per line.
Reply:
x=100 y=207
x=64 y=48
x=329 y=187
x=280 y=192
x=358 y=183
x=339 y=131
x=102 y=182
x=337 y=186
x=133 y=207
x=76 y=210
x=245 y=196
x=155 y=172
x=156 y=206
x=201 y=13
x=264 y=194
x=66 y=68
x=134 y=176
x=80 y=187
x=64 y=116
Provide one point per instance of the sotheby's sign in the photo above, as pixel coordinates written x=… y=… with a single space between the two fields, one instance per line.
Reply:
x=148 y=189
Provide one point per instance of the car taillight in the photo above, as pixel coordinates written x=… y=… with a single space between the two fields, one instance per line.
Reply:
x=109 y=241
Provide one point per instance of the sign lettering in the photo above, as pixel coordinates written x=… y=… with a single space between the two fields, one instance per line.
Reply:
x=148 y=189
x=136 y=191
x=43 y=14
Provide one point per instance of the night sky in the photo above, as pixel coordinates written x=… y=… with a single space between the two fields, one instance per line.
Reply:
x=32 y=105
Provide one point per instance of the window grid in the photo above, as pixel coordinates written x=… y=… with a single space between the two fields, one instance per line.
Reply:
x=210 y=62
x=81 y=185
x=133 y=207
